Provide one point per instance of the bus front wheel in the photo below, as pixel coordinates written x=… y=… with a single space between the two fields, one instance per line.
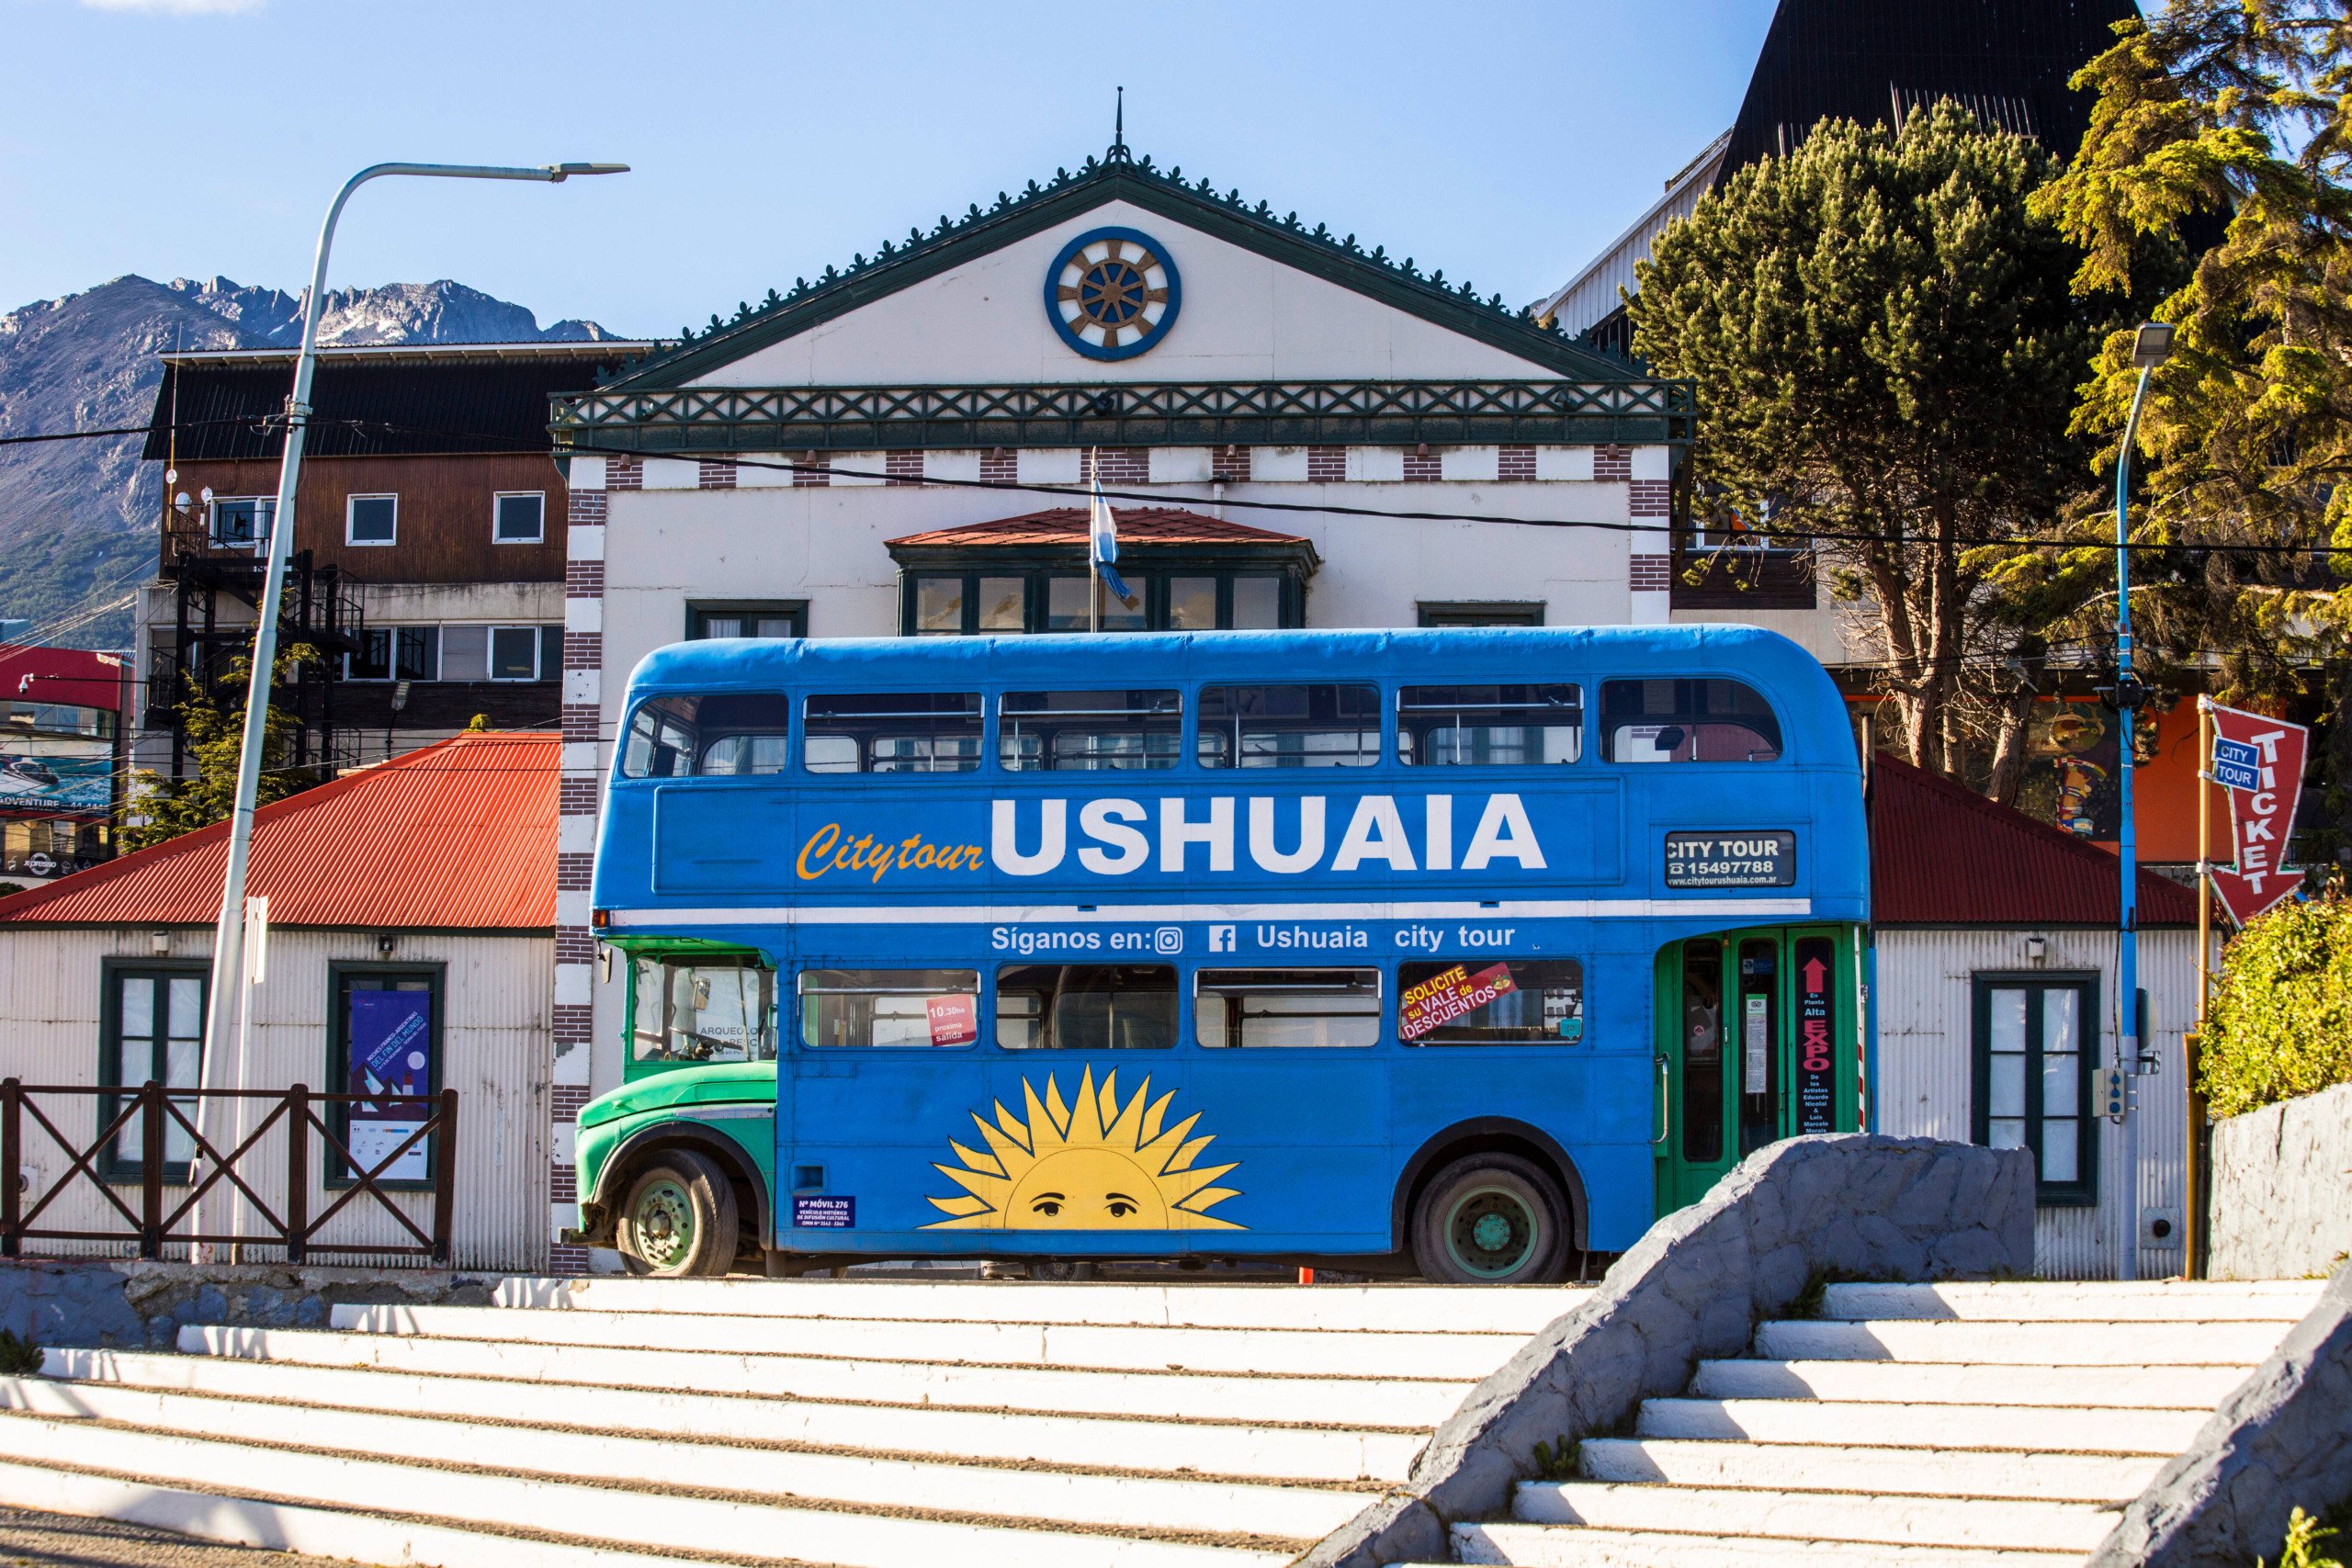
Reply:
x=1491 y=1219
x=679 y=1219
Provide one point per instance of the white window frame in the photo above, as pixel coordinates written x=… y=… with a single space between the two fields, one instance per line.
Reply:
x=261 y=535
x=538 y=538
x=350 y=508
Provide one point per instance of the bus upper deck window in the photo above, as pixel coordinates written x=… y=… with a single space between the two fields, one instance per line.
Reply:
x=890 y=1007
x=703 y=1010
x=1082 y=730
x=1287 y=1007
x=1477 y=1001
x=1086 y=1007
x=892 y=732
x=1489 y=727
x=720 y=733
x=1687 y=721
x=1322 y=726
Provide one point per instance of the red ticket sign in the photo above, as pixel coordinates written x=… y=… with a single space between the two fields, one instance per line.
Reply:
x=1449 y=994
x=954 y=1021
x=2262 y=766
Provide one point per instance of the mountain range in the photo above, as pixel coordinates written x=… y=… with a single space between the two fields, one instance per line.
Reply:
x=77 y=518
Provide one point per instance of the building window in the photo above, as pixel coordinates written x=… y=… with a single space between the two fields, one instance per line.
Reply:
x=519 y=517
x=242 y=521
x=1479 y=612
x=151 y=1028
x=747 y=617
x=890 y=1007
x=2034 y=1059
x=501 y=653
x=969 y=604
x=384 y=1046
x=395 y=653
x=371 y=520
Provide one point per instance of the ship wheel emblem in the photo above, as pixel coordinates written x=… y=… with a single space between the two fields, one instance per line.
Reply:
x=1112 y=294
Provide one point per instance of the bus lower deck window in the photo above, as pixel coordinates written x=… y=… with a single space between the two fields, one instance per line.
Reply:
x=892 y=732
x=1687 y=721
x=717 y=734
x=1478 y=1001
x=1088 y=731
x=702 y=1011
x=890 y=1007
x=1086 y=1007
x=1287 y=1007
x=1489 y=727
x=1326 y=725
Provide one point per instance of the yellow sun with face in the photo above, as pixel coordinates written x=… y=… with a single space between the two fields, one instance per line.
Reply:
x=1090 y=1164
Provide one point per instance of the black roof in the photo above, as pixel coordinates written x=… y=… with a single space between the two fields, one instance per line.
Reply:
x=1875 y=61
x=372 y=403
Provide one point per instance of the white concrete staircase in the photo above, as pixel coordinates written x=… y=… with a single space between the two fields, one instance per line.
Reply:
x=899 y=1425
x=1975 y=1426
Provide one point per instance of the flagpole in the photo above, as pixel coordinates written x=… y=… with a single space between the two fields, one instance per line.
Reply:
x=1093 y=573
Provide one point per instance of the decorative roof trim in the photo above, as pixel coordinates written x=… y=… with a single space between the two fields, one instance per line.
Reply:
x=1317 y=251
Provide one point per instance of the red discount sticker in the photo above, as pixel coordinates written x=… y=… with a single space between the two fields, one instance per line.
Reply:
x=1449 y=994
x=954 y=1021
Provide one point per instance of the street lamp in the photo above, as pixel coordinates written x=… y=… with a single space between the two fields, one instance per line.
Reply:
x=228 y=940
x=2151 y=346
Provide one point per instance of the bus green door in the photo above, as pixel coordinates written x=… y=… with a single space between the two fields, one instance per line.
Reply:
x=1756 y=1043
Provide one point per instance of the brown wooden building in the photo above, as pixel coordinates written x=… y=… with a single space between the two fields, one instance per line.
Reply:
x=425 y=585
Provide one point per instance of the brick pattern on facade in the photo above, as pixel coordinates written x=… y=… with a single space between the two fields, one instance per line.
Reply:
x=575 y=1024
x=572 y=1024
x=1612 y=464
x=620 y=473
x=1421 y=465
x=903 y=468
x=1650 y=574
x=1123 y=466
x=716 y=473
x=569 y=1101
x=1515 y=463
x=1327 y=464
x=1652 y=497
x=999 y=466
x=813 y=469
x=1229 y=465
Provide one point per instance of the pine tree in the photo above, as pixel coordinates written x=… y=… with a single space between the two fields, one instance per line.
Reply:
x=214 y=725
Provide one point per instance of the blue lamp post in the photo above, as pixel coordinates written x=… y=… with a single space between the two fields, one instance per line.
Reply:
x=2151 y=346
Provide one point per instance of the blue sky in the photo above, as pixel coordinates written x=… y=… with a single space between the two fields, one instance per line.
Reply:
x=1502 y=141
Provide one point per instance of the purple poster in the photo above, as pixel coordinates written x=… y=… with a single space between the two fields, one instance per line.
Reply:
x=392 y=1044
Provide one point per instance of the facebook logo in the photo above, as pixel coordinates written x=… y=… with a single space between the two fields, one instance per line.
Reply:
x=1221 y=939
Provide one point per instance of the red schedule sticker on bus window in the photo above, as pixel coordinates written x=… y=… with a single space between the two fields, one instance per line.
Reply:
x=954 y=1021
x=1449 y=994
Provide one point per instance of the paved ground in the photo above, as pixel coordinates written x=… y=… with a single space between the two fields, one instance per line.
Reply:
x=30 y=1539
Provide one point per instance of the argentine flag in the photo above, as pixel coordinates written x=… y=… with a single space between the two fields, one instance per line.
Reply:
x=1102 y=546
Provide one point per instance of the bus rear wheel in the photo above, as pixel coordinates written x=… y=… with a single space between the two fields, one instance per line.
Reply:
x=1491 y=1219
x=679 y=1220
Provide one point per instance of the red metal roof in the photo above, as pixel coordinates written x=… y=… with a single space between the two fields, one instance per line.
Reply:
x=1138 y=526
x=72 y=677
x=1943 y=855
x=460 y=835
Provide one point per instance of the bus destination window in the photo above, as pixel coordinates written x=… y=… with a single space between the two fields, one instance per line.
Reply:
x=892 y=732
x=1086 y=1007
x=702 y=1010
x=1245 y=1007
x=1059 y=731
x=890 y=1007
x=721 y=734
x=1478 y=1001
x=1489 y=727
x=1323 y=725
x=1687 y=721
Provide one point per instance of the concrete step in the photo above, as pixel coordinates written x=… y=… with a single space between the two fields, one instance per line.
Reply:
x=1293 y=1352
x=1397 y=1404
x=1927 y=1382
x=2162 y=1300
x=1394 y=1309
x=284 y=1527
x=1548 y=1546
x=1094 y=1497
x=1808 y=1467
x=2016 y=1343
x=1330 y=1455
x=1837 y=1424
x=1845 y=1517
x=715 y=1526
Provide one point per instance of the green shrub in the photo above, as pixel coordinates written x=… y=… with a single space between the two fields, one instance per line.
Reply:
x=2282 y=1020
x=19 y=1356
x=2302 y=1548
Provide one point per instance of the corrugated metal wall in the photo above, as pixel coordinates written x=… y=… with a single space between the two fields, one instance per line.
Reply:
x=1925 y=1084
x=497 y=1000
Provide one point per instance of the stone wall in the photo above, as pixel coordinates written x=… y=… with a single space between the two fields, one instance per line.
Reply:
x=135 y=1306
x=2282 y=1189
x=1695 y=1287
x=2282 y=1441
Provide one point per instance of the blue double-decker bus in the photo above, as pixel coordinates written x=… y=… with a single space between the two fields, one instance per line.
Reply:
x=1459 y=951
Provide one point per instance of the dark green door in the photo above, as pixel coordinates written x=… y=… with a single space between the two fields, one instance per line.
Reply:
x=1755 y=1043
